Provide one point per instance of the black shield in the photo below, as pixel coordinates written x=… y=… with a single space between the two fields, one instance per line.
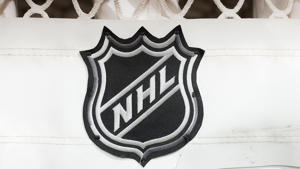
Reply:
x=142 y=98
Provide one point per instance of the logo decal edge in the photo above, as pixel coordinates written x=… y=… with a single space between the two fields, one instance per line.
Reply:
x=153 y=152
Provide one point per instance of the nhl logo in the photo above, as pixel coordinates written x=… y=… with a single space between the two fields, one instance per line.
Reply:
x=142 y=98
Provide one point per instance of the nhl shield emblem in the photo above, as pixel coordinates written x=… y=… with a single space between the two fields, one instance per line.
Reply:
x=142 y=98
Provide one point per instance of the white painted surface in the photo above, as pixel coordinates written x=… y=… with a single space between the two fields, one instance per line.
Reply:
x=248 y=78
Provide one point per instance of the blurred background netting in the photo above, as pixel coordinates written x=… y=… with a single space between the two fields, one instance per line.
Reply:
x=199 y=9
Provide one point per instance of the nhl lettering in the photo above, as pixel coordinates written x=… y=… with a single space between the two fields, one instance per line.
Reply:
x=141 y=94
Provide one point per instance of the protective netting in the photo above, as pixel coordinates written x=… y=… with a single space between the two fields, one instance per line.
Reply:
x=166 y=10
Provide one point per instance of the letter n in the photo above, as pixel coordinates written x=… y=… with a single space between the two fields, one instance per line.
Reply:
x=125 y=114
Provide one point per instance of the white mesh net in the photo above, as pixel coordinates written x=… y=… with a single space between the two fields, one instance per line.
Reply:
x=149 y=9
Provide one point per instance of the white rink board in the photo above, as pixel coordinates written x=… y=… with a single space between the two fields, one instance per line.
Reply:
x=249 y=79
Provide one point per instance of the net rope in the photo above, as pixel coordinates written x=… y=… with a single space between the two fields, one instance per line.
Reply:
x=277 y=13
x=226 y=13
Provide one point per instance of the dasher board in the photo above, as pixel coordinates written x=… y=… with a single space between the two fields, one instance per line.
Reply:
x=248 y=79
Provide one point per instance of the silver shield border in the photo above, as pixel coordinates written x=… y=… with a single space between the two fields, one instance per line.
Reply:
x=143 y=36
